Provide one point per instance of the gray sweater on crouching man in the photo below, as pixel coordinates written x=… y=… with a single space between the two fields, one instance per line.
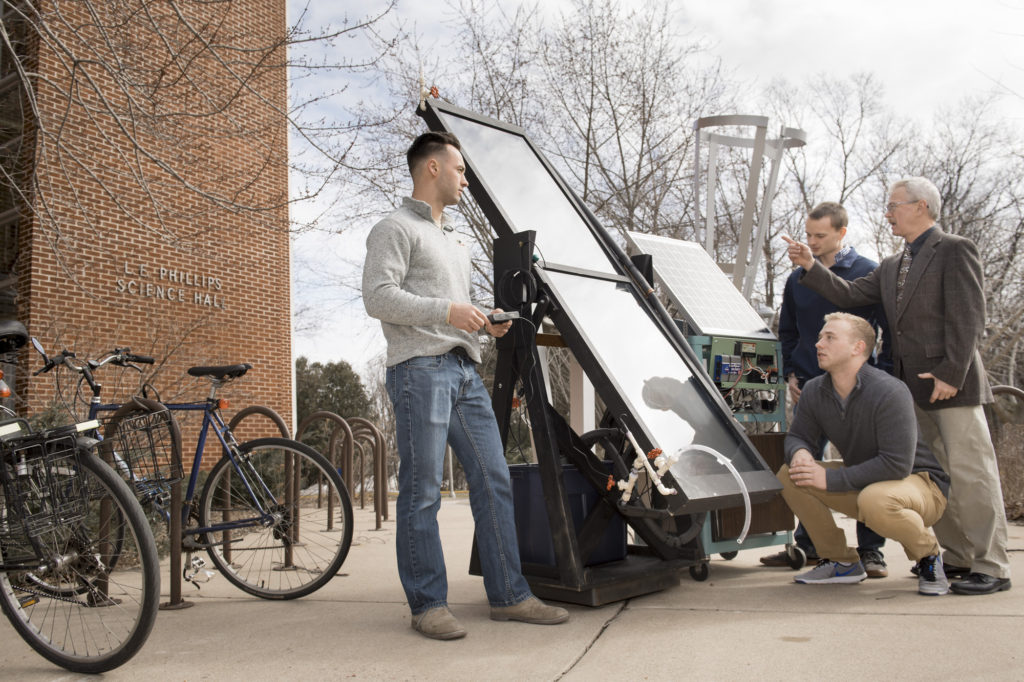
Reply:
x=875 y=431
x=414 y=270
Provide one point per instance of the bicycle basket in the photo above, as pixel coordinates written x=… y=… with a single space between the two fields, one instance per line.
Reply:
x=43 y=487
x=141 y=449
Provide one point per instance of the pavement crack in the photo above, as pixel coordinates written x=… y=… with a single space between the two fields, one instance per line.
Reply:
x=593 y=641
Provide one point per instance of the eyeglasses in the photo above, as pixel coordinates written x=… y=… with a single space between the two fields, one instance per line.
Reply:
x=889 y=208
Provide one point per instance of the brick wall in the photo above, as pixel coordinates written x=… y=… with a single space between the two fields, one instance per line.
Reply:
x=176 y=245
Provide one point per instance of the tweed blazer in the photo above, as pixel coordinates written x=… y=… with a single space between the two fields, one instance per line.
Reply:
x=937 y=326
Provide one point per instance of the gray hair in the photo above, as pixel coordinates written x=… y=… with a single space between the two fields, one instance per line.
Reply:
x=919 y=188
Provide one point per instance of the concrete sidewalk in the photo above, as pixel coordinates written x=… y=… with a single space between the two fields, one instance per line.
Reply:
x=744 y=622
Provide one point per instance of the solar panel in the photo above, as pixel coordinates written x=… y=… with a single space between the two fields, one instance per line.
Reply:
x=647 y=376
x=530 y=197
x=700 y=290
x=652 y=378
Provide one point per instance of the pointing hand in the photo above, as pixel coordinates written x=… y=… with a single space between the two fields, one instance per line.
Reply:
x=799 y=253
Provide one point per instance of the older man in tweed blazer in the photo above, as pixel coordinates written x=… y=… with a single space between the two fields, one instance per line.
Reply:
x=933 y=296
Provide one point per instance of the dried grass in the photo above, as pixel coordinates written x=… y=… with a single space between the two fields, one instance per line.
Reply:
x=1009 y=443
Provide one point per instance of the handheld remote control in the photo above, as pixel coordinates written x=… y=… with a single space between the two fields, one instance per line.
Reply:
x=495 y=318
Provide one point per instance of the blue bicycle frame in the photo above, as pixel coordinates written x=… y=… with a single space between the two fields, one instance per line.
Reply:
x=211 y=416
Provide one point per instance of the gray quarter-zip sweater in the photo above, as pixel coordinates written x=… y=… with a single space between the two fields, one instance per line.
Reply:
x=875 y=431
x=414 y=270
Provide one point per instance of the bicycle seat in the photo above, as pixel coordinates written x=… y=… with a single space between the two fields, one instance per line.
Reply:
x=12 y=335
x=222 y=372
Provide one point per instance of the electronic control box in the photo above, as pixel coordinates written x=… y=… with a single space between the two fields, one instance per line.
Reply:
x=740 y=363
x=748 y=372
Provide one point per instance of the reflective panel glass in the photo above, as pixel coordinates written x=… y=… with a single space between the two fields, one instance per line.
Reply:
x=657 y=384
x=528 y=195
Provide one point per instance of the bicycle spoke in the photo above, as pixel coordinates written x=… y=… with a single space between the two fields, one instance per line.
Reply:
x=89 y=609
x=309 y=526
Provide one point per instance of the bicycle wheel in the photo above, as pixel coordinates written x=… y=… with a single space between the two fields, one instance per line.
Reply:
x=78 y=612
x=300 y=538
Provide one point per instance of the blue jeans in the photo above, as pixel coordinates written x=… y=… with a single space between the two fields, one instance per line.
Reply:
x=440 y=399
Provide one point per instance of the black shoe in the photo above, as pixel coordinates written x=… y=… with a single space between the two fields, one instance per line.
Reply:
x=980 y=583
x=952 y=572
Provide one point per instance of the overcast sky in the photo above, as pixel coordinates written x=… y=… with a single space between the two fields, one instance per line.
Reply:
x=925 y=53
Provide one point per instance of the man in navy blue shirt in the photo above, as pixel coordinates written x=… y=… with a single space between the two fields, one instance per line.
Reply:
x=800 y=321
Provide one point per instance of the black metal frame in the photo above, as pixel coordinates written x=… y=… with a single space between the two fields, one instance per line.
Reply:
x=648 y=568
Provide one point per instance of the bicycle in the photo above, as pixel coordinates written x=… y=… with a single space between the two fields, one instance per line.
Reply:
x=273 y=515
x=79 y=571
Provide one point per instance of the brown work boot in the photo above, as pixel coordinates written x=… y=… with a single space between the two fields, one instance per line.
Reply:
x=531 y=610
x=438 y=623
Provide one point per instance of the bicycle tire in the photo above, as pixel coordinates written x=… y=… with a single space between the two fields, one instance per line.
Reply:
x=301 y=550
x=103 y=627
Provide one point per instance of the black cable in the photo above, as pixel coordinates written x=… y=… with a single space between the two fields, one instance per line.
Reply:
x=505 y=295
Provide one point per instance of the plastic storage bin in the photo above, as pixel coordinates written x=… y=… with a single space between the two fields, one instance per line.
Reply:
x=533 y=530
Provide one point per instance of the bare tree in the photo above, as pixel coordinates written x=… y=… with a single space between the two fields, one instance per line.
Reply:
x=853 y=140
x=150 y=84
x=626 y=89
x=974 y=160
x=966 y=151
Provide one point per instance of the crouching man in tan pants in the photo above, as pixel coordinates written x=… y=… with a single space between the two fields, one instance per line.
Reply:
x=888 y=478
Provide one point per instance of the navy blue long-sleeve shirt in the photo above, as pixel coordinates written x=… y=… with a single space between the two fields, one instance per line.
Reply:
x=803 y=315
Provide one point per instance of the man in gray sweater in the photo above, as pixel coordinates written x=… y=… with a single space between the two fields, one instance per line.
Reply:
x=417 y=282
x=888 y=478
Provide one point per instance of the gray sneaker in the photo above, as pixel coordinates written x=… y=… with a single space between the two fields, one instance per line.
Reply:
x=931 y=579
x=438 y=623
x=832 y=572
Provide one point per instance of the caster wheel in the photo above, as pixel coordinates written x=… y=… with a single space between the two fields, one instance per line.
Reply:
x=700 y=572
x=797 y=558
x=729 y=556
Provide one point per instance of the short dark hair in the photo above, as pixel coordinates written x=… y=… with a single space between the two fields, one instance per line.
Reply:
x=834 y=211
x=428 y=144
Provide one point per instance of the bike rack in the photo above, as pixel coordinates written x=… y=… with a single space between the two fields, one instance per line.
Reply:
x=261 y=410
x=362 y=443
x=357 y=432
x=360 y=427
x=177 y=602
x=339 y=425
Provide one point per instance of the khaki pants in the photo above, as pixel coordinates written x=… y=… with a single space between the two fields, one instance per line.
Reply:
x=903 y=510
x=973 y=529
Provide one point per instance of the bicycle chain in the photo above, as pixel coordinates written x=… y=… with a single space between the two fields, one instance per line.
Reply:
x=50 y=595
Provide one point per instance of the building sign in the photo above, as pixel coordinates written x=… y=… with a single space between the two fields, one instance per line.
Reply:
x=171 y=284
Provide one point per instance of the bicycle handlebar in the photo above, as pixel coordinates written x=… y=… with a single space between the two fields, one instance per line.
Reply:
x=122 y=357
x=49 y=363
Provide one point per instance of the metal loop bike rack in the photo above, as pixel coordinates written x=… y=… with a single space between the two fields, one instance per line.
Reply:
x=261 y=410
x=363 y=428
x=356 y=432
